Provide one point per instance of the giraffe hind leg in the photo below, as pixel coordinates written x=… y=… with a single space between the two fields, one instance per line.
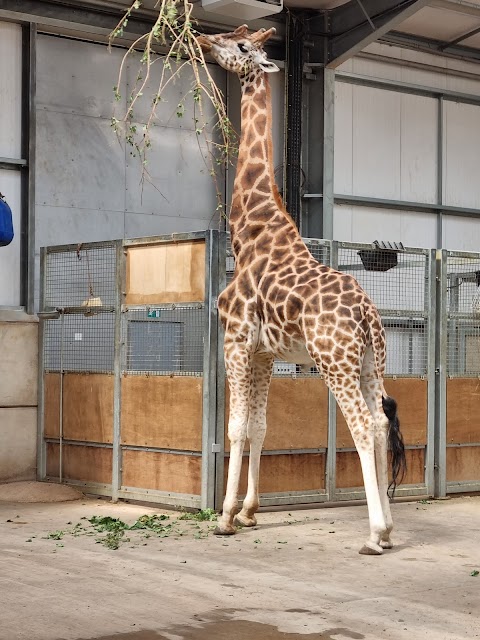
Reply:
x=373 y=392
x=360 y=421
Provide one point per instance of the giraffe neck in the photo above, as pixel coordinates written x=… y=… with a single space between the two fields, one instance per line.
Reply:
x=255 y=201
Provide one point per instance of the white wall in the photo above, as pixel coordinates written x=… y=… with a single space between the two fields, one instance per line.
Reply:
x=386 y=147
x=10 y=147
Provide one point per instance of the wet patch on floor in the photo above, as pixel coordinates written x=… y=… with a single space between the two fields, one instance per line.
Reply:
x=233 y=630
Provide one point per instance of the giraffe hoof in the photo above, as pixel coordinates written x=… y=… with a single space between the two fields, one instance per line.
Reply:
x=371 y=549
x=245 y=521
x=225 y=530
x=386 y=544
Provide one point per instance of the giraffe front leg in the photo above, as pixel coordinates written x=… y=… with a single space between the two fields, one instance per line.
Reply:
x=238 y=367
x=257 y=425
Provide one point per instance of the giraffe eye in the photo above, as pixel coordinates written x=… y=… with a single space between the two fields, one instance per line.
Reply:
x=243 y=48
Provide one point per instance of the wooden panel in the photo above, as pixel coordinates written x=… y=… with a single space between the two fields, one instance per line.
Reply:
x=166 y=273
x=411 y=397
x=297 y=414
x=463 y=464
x=282 y=473
x=463 y=415
x=88 y=407
x=162 y=411
x=52 y=405
x=88 y=464
x=349 y=471
x=162 y=471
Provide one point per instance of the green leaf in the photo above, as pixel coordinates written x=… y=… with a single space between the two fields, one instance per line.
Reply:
x=475 y=573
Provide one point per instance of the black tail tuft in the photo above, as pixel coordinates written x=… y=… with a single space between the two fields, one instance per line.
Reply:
x=395 y=442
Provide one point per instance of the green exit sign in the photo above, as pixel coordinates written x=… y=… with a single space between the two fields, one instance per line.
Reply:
x=154 y=313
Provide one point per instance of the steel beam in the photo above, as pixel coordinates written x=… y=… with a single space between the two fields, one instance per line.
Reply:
x=429 y=45
x=293 y=119
x=351 y=25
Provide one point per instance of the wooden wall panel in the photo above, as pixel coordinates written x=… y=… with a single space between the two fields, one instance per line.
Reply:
x=52 y=405
x=162 y=471
x=297 y=414
x=166 y=273
x=88 y=464
x=162 y=411
x=463 y=464
x=349 y=471
x=88 y=407
x=463 y=410
x=282 y=473
x=411 y=397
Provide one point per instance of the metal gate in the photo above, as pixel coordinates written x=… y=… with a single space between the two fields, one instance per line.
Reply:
x=128 y=367
x=133 y=396
x=459 y=373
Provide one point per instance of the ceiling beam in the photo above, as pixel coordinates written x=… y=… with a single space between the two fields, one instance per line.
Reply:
x=462 y=6
x=350 y=29
x=429 y=45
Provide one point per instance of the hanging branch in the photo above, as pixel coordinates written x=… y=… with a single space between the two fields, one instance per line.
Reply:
x=173 y=32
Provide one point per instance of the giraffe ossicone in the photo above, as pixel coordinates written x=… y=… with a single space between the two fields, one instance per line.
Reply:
x=282 y=303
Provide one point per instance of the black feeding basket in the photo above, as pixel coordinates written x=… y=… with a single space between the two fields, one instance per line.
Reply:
x=382 y=257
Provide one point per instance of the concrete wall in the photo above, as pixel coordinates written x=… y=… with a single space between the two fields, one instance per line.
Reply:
x=18 y=395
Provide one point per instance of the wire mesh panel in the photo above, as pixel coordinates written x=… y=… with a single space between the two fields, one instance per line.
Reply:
x=463 y=313
x=80 y=277
x=79 y=343
x=397 y=283
x=165 y=340
x=462 y=359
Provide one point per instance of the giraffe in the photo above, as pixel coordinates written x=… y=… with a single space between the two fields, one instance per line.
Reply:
x=282 y=303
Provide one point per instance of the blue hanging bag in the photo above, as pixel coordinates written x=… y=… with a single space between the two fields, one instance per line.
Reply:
x=6 y=223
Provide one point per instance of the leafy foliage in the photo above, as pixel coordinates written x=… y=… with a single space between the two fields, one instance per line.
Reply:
x=172 y=39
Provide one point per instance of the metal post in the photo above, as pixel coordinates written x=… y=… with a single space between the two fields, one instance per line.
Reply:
x=440 y=116
x=293 y=123
x=29 y=39
x=441 y=377
x=221 y=381
x=431 y=308
x=331 y=462
x=328 y=151
x=60 y=417
x=41 y=449
x=118 y=362
x=210 y=350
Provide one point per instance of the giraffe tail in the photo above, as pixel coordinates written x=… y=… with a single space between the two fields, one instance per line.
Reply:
x=395 y=438
x=395 y=443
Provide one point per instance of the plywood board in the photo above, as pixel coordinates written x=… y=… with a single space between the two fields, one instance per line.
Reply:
x=283 y=473
x=171 y=272
x=411 y=397
x=51 y=416
x=84 y=463
x=463 y=410
x=162 y=471
x=162 y=411
x=463 y=464
x=88 y=407
x=297 y=414
x=349 y=471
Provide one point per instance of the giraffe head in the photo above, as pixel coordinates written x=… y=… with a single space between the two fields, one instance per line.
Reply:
x=240 y=51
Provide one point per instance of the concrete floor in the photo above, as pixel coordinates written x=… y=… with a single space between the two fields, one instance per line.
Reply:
x=298 y=575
